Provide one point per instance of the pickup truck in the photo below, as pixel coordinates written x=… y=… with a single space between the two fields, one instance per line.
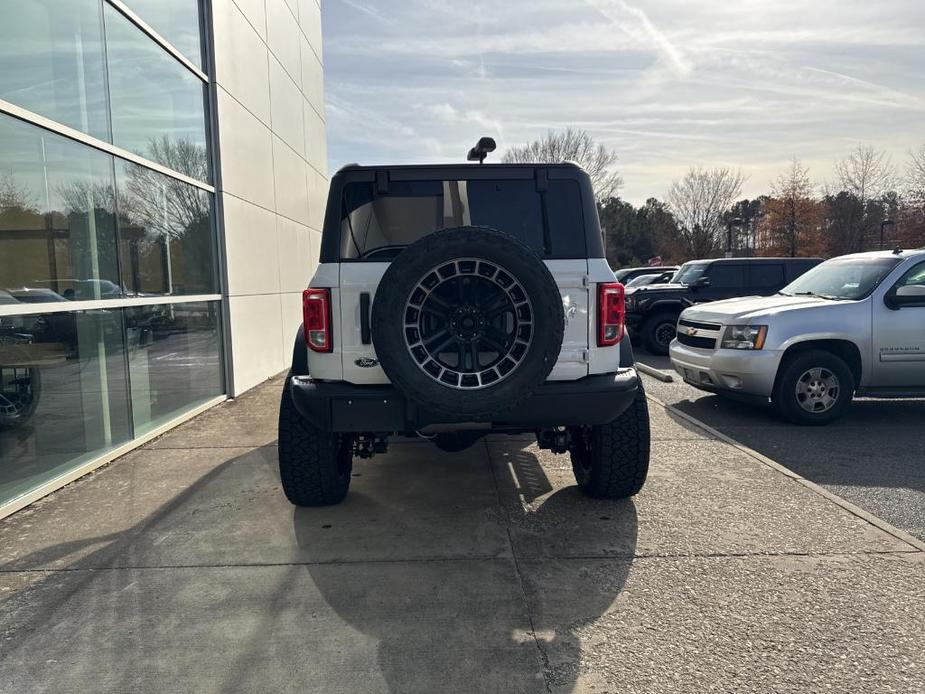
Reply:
x=852 y=326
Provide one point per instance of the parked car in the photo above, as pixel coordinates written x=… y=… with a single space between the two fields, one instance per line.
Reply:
x=624 y=275
x=854 y=325
x=652 y=312
x=455 y=301
x=646 y=280
x=35 y=295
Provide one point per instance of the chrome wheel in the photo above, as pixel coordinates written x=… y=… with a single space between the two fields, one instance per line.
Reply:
x=817 y=390
x=468 y=324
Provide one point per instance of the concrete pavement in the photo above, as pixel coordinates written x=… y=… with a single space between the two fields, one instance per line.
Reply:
x=872 y=456
x=181 y=567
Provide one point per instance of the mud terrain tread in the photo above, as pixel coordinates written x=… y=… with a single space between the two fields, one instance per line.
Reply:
x=308 y=459
x=619 y=455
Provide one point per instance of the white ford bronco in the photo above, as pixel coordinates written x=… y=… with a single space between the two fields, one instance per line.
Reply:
x=854 y=325
x=455 y=301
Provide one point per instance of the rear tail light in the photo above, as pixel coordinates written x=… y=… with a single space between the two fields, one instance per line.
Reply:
x=316 y=319
x=611 y=304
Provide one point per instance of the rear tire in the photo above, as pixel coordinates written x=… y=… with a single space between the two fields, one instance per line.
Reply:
x=611 y=461
x=658 y=332
x=813 y=387
x=314 y=465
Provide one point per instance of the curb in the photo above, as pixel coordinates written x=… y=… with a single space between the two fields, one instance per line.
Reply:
x=654 y=373
x=879 y=523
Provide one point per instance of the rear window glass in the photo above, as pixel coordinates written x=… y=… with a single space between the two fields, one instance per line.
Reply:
x=376 y=227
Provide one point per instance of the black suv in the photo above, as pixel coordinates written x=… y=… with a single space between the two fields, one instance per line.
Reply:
x=652 y=311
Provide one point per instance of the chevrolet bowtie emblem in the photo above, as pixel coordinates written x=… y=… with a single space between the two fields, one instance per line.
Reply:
x=692 y=331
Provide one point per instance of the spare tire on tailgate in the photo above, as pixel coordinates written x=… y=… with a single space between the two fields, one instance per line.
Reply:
x=467 y=322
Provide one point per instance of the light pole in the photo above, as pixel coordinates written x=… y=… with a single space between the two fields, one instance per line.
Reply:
x=734 y=222
x=885 y=223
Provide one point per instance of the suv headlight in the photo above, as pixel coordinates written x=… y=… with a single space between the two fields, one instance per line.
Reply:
x=744 y=336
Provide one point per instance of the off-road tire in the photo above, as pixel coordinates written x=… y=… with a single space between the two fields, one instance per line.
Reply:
x=314 y=465
x=22 y=415
x=651 y=330
x=785 y=400
x=611 y=461
x=434 y=250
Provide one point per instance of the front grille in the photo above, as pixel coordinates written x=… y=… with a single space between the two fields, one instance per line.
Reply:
x=699 y=342
x=700 y=326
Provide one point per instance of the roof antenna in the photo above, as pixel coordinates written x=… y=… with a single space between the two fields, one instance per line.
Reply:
x=485 y=146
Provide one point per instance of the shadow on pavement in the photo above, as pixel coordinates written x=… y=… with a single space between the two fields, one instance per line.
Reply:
x=481 y=625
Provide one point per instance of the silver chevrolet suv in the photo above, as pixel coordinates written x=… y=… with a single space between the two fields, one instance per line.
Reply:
x=451 y=302
x=852 y=326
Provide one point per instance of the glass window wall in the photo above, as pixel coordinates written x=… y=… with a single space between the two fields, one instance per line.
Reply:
x=165 y=234
x=52 y=57
x=178 y=21
x=174 y=360
x=78 y=224
x=57 y=227
x=63 y=394
x=158 y=105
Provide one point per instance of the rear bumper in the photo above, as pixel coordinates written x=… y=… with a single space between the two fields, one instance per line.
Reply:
x=747 y=375
x=353 y=408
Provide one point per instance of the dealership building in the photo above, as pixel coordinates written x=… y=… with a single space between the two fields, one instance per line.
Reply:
x=162 y=187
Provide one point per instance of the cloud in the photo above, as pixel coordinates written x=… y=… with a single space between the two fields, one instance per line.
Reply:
x=666 y=84
x=636 y=23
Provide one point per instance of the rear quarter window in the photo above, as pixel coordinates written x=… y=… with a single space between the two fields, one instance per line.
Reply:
x=766 y=276
x=377 y=226
x=724 y=276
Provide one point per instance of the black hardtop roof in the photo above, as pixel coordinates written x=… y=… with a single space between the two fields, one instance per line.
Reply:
x=454 y=167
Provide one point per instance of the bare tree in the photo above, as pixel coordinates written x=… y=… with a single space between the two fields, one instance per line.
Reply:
x=698 y=202
x=915 y=176
x=577 y=146
x=866 y=173
x=165 y=207
x=14 y=195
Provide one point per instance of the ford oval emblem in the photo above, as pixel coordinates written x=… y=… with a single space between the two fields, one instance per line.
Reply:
x=367 y=363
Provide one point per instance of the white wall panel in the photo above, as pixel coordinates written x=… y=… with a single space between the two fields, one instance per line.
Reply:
x=274 y=172
x=241 y=60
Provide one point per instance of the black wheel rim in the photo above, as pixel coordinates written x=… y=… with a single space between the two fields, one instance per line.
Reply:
x=15 y=392
x=664 y=334
x=468 y=324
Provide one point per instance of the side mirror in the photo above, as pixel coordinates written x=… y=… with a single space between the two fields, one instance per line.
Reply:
x=909 y=295
x=701 y=283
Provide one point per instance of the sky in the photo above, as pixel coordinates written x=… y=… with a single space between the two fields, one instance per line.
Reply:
x=666 y=84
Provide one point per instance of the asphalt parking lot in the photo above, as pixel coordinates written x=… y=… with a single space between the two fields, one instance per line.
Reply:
x=181 y=567
x=873 y=457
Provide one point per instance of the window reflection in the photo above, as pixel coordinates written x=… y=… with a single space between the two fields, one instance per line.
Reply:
x=158 y=105
x=178 y=21
x=58 y=223
x=165 y=234
x=174 y=360
x=52 y=58
x=63 y=394
x=57 y=227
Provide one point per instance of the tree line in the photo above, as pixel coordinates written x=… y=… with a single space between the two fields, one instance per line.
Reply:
x=870 y=202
